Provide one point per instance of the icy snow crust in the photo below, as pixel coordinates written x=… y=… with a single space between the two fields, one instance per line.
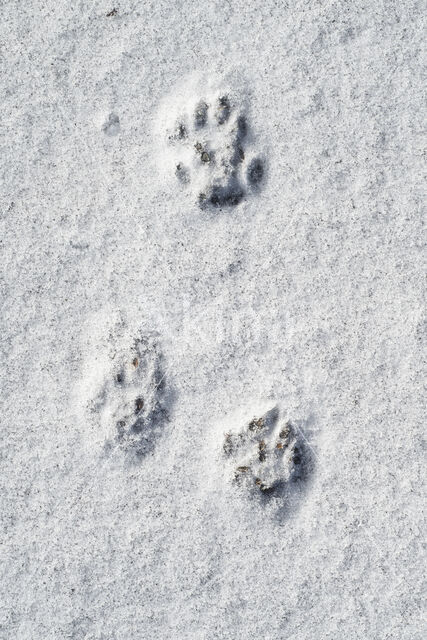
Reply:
x=155 y=342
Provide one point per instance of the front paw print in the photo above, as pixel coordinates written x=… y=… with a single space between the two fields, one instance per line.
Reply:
x=212 y=145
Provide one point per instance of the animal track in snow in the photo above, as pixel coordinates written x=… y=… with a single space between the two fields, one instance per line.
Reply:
x=111 y=126
x=267 y=456
x=210 y=142
x=133 y=403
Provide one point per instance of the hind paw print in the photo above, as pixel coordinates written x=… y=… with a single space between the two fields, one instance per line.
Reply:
x=212 y=143
x=267 y=456
x=132 y=404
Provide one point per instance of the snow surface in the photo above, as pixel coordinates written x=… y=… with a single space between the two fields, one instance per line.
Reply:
x=307 y=295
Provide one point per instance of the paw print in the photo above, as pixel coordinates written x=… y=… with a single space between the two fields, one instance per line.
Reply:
x=111 y=126
x=132 y=404
x=214 y=156
x=266 y=456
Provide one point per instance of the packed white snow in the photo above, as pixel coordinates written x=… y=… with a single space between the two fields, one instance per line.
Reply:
x=142 y=322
